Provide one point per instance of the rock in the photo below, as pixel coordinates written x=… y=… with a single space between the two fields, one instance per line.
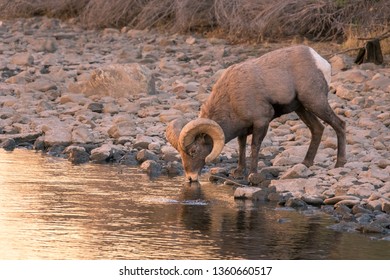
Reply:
x=340 y=63
x=151 y=167
x=345 y=92
x=8 y=144
x=117 y=80
x=336 y=199
x=96 y=107
x=297 y=171
x=386 y=206
x=24 y=59
x=344 y=211
x=296 y=203
x=56 y=133
x=103 y=153
x=125 y=128
x=174 y=168
x=145 y=155
x=293 y=185
x=345 y=226
x=374 y=205
x=360 y=209
x=348 y=202
x=129 y=158
x=82 y=134
x=252 y=193
x=77 y=155
x=312 y=200
x=142 y=141
x=44 y=45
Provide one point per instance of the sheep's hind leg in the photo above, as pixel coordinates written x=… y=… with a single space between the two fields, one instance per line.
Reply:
x=327 y=115
x=316 y=129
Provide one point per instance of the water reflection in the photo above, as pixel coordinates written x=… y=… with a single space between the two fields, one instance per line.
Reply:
x=50 y=209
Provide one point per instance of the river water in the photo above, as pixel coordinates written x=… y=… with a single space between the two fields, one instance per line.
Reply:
x=51 y=209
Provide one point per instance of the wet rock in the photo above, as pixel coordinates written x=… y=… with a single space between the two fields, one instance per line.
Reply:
x=252 y=193
x=77 y=155
x=345 y=226
x=174 y=168
x=296 y=203
x=8 y=144
x=151 y=167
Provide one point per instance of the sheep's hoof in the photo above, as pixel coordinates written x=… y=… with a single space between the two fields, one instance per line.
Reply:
x=340 y=163
x=238 y=173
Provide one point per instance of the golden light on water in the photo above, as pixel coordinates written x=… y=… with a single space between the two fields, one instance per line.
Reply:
x=51 y=209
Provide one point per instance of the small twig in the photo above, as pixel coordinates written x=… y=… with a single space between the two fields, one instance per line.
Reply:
x=228 y=180
x=329 y=55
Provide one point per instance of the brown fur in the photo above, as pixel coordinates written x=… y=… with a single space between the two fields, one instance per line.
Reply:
x=251 y=94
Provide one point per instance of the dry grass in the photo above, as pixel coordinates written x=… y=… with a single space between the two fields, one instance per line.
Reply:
x=237 y=19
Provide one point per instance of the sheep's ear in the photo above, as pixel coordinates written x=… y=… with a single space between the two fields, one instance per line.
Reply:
x=173 y=131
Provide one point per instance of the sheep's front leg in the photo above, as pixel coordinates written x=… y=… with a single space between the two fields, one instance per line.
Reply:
x=241 y=168
x=259 y=131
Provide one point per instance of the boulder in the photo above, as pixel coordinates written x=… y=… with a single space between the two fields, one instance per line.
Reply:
x=117 y=80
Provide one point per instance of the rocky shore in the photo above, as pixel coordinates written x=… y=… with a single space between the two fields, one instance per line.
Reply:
x=107 y=96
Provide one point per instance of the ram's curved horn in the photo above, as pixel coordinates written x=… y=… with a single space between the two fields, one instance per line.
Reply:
x=173 y=130
x=205 y=126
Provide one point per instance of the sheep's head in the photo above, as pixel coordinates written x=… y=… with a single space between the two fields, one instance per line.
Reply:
x=199 y=142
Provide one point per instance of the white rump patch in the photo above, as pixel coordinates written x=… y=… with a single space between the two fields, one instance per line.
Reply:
x=323 y=65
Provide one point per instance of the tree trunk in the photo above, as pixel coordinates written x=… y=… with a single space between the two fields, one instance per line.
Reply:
x=372 y=52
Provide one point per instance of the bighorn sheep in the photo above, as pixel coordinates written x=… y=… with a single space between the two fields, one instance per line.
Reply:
x=247 y=97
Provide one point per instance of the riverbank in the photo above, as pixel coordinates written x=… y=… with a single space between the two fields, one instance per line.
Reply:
x=107 y=96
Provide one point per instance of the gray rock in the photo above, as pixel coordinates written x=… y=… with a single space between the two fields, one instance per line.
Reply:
x=96 y=107
x=174 y=168
x=101 y=154
x=144 y=155
x=252 y=193
x=8 y=144
x=77 y=155
x=151 y=167
x=296 y=203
